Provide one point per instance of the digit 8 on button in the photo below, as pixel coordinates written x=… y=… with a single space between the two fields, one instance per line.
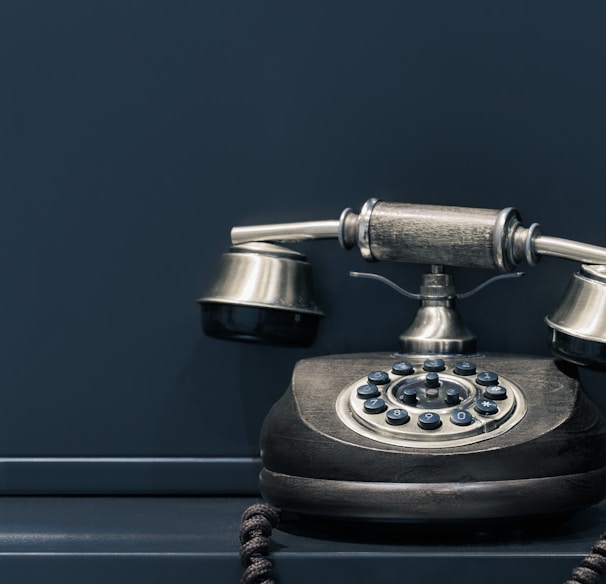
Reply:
x=397 y=417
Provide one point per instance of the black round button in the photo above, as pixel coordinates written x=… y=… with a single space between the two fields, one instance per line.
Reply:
x=408 y=395
x=434 y=365
x=453 y=396
x=495 y=392
x=432 y=380
x=486 y=407
x=397 y=417
x=487 y=378
x=374 y=405
x=429 y=421
x=378 y=377
x=402 y=368
x=465 y=368
x=367 y=391
x=461 y=418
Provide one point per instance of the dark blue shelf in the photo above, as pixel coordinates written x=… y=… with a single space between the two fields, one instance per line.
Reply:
x=187 y=540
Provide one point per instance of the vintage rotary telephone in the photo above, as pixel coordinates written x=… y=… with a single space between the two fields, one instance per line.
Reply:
x=437 y=432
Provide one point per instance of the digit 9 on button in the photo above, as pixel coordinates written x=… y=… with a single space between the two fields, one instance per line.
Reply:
x=429 y=421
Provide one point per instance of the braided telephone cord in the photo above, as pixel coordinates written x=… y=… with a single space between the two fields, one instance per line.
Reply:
x=592 y=566
x=259 y=520
x=257 y=524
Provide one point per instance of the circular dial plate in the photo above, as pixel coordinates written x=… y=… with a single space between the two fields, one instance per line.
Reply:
x=455 y=411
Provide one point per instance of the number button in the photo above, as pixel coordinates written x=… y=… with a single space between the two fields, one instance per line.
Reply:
x=434 y=365
x=367 y=391
x=378 y=377
x=402 y=368
x=465 y=368
x=461 y=418
x=487 y=378
x=397 y=417
x=429 y=421
x=374 y=405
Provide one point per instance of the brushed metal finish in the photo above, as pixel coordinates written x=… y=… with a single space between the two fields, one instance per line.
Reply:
x=266 y=276
x=438 y=329
x=582 y=311
x=437 y=326
x=579 y=323
x=570 y=250
x=364 y=230
x=301 y=231
x=503 y=250
x=433 y=234
x=274 y=277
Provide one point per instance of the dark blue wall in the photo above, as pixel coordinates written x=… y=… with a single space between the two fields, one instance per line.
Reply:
x=133 y=135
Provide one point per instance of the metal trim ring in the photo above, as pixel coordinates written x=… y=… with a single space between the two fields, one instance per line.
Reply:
x=364 y=229
x=502 y=242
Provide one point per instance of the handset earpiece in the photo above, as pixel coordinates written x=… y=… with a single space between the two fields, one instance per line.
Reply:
x=262 y=293
x=578 y=326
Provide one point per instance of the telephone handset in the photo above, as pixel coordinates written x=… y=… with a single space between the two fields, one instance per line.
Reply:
x=436 y=431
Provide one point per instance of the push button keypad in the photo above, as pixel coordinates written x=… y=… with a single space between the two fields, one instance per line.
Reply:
x=432 y=403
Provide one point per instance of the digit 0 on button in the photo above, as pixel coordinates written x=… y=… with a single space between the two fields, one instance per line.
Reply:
x=461 y=418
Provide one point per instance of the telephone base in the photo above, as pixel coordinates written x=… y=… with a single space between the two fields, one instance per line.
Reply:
x=522 y=440
x=440 y=502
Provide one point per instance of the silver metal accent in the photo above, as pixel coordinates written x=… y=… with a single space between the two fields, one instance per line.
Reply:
x=301 y=231
x=388 y=282
x=364 y=229
x=579 y=323
x=264 y=275
x=399 y=227
x=414 y=296
x=344 y=239
x=350 y=410
x=502 y=240
x=530 y=253
x=437 y=326
x=438 y=329
x=488 y=282
x=569 y=249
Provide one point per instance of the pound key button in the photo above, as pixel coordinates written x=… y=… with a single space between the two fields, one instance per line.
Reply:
x=374 y=405
x=486 y=407
x=367 y=391
x=495 y=392
x=397 y=417
x=378 y=377
x=429 y=421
